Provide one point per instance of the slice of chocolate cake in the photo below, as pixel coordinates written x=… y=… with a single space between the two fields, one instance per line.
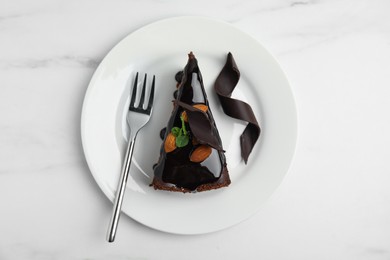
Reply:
x=191 y=157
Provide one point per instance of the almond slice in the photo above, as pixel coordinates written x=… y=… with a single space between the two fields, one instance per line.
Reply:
x=170 y=143
x=200 y=153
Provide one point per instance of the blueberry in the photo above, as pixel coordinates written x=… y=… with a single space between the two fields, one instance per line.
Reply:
x=162 y=133
x=179 y=76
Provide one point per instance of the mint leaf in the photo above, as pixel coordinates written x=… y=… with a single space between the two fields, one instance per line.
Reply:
x=182 y=140
x=175 y=131
x=183 y=125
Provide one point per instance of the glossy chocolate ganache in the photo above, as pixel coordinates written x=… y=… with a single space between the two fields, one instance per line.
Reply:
x=191 y=156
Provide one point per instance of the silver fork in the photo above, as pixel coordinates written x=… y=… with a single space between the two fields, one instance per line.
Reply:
x=137 y=117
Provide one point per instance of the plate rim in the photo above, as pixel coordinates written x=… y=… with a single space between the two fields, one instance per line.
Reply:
x=95 y=74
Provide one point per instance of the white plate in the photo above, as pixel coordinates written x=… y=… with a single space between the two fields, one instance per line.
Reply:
x=161 y=48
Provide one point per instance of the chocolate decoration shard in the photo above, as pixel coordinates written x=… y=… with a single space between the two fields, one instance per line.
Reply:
x=191 y=155
x=224 y=86
x=201 y=126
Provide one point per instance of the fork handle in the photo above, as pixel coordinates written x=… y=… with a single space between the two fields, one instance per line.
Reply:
x=120 y=191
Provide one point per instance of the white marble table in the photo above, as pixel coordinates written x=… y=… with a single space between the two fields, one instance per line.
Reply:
x=334 y=202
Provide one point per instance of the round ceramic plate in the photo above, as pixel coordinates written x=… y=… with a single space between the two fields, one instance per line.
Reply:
x=161 y=49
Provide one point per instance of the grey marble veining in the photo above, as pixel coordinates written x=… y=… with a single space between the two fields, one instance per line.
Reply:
x=62 y=61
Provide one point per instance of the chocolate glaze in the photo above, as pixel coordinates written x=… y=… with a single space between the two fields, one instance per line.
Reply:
x=174 y=171
x=224 y=86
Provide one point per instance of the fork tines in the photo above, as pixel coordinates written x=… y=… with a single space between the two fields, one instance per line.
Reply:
x=140 y=106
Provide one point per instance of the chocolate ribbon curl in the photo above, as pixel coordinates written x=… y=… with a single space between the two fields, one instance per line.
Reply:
x=224 y=86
